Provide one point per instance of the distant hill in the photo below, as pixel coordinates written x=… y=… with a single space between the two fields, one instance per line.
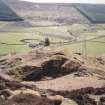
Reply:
x=94 y=12
x=7 y=14
x=56 y=13
x=37 y=14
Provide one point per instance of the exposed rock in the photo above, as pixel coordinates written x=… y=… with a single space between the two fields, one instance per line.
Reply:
x=72 y=66
x=57 y=98
x=24 y=91
x=66 y=101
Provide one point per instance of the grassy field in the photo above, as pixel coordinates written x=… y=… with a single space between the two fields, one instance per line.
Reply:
x=10 y=40
x=62 y=24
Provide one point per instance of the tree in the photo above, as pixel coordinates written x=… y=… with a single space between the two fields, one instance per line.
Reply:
x=47 y=42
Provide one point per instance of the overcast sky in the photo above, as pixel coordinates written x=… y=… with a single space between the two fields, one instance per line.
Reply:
x=69 y=1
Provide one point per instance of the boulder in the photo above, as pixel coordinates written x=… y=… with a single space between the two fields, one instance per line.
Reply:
x=72 y=65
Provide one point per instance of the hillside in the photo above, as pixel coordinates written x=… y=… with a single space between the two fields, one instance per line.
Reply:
x=7 y=14
x=52 y=14
x=56 y=14
x=95 y=13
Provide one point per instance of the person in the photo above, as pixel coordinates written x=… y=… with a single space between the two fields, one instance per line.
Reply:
x=47 y=42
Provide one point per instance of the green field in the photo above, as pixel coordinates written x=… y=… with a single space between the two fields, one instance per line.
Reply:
x=10 y=39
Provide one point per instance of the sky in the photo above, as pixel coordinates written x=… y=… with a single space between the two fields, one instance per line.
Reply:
x=68 y=1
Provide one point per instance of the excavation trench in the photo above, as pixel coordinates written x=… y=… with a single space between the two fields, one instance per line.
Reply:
x=50 y=69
